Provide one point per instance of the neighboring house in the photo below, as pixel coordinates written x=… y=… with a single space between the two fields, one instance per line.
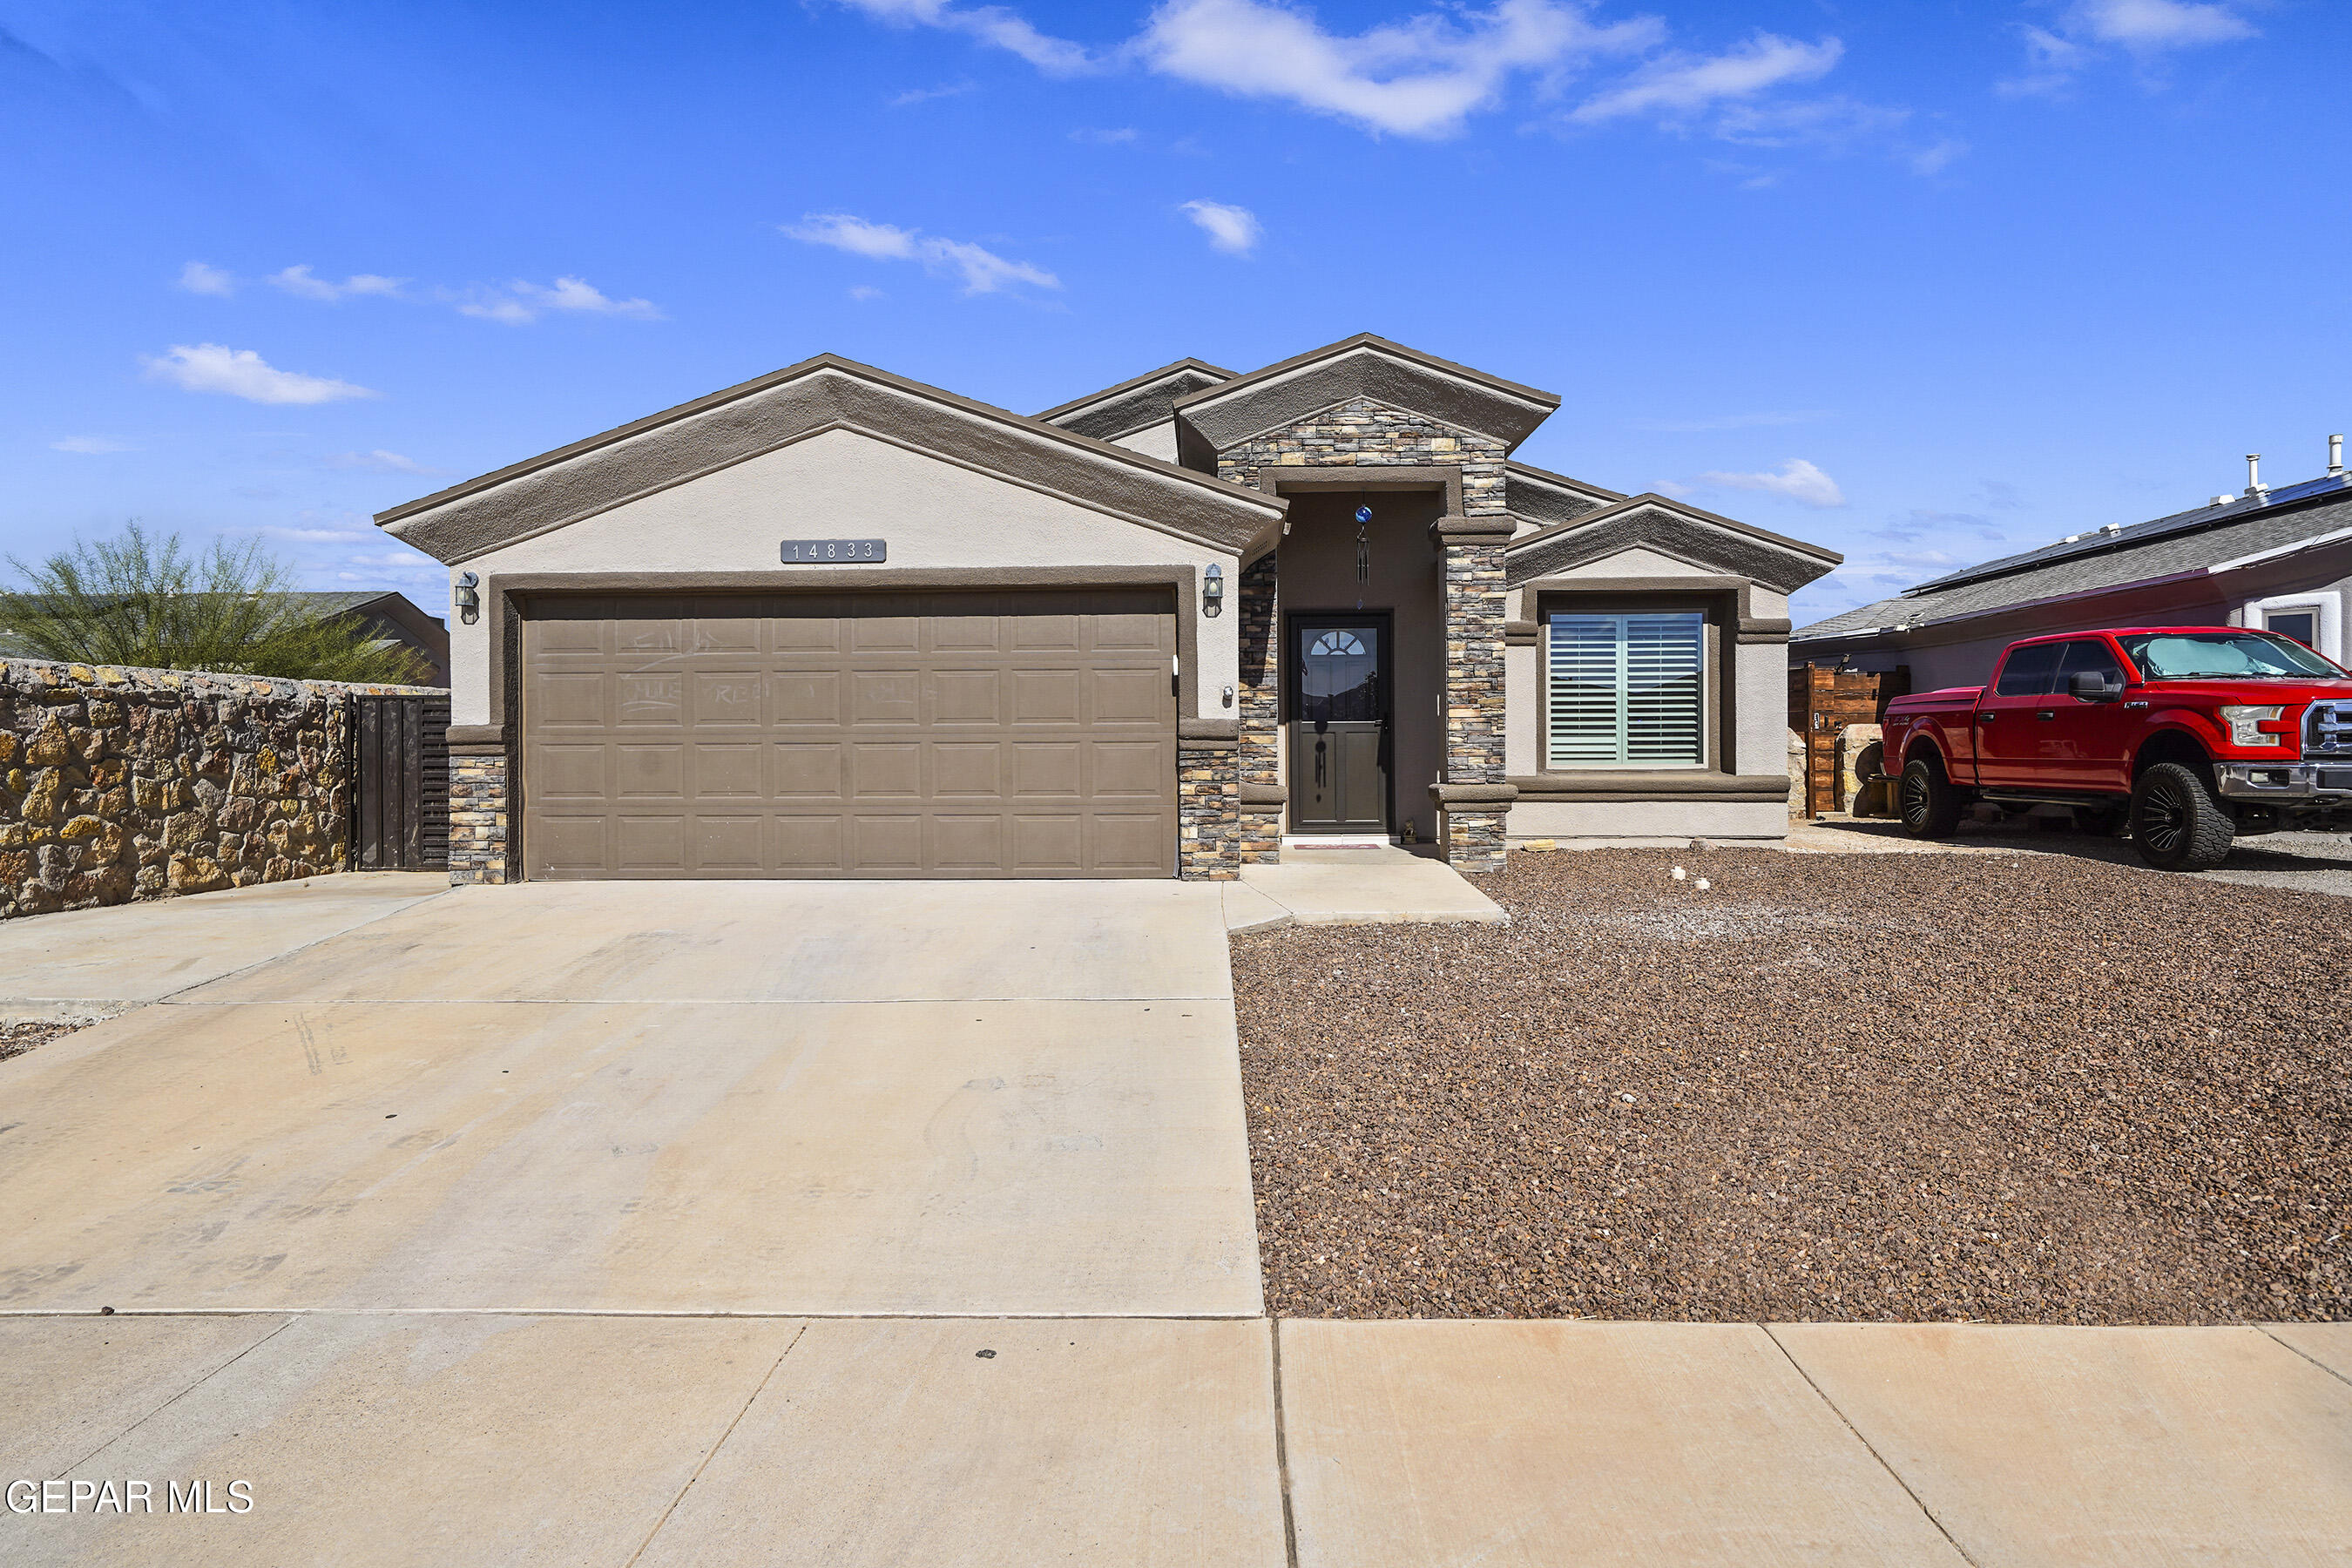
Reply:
x=2276 y=558
x=833 y=623
x=391 y=616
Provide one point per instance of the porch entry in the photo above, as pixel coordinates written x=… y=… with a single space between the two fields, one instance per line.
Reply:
x=1341 y=731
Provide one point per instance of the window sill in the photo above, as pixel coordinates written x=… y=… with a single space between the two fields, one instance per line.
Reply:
x=1616 y=783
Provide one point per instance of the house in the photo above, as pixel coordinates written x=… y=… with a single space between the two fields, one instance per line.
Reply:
x=2280 y=559
x=835 y=623
x=391 y=618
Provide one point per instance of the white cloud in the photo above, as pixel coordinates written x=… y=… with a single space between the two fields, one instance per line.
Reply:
x=1420 y=77
x=982 y=271
x=198 y=278
x=1932 y=161
x=521 y=302
x=1231 y=229
x=865 y=291
x=1680 y=86
x=991 y=25
x=915 y=95
x=92 y=446
x=2145 y=29
x=1117 y=137
x=2158 y=23
x=241 y=372
x=379 y=462
x=1798 y=480
x=298 y=282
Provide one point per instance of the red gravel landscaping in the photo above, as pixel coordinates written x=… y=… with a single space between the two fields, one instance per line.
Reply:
x=2031 y=1089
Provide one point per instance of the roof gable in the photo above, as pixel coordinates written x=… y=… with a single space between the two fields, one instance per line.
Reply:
x=680 y=443
x=1364 y=366
x=1542 y=497
x=1133 y=406
x=1656 y=522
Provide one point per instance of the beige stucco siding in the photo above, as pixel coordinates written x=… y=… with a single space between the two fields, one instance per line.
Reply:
x=842 y=484
x=1616 y=821
x=1153 y=440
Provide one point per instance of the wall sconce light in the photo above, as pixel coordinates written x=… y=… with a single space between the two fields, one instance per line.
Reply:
x=1213 y=590
x=470 y=597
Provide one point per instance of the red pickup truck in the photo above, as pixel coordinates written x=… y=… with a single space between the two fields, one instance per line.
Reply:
x=2191 y=735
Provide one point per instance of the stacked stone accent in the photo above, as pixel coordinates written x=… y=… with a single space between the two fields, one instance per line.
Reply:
x=1208 y=808
x=1260 y=711
x=121 y=784
x=1364 y=433
x=477 y=816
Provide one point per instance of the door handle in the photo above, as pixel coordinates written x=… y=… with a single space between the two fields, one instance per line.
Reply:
x=2046 y=713
x=1318 y=762
x=1987 y=717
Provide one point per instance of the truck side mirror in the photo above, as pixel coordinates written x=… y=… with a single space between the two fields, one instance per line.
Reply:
x=2092 y=685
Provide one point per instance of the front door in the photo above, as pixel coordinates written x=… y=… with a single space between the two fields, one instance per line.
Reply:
x=1340 y=725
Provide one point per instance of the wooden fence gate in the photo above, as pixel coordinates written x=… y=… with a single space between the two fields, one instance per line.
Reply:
x=1821 y=703
x=400 y=784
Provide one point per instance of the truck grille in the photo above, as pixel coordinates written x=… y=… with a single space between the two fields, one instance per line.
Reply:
x=2327 y=729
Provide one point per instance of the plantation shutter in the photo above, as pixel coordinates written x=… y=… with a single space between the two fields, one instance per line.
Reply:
x=1627 y=689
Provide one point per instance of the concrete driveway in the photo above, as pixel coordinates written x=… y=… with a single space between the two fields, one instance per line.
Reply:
x=870 y=1098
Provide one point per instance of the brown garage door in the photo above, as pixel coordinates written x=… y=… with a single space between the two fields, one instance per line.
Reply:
x=985 y=734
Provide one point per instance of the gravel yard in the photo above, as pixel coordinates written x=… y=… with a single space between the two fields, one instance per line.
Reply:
x=2016 y=1089
x=18 y=1037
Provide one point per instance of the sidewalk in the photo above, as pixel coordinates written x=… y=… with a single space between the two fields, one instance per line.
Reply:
x=487 y=1438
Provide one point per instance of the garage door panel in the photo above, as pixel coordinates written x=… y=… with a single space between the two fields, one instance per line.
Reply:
x=730 y=844
x=727 y=773
x=1046 y=843
x=886 y=844
x=816 y=771
x=1134 y=697
x=806 y=698
x=1130 y=771
x=727 y=696
x=885 y=769
x=1046 y=696
x=968 y=769
x=650 y=772
x=967 y=843
x=1133 y=844
x=941 y=734
x=643 y=699
x=568 y=700
x=968 y=697
x=1049 y=768
x=886 y=696
x=651 y=845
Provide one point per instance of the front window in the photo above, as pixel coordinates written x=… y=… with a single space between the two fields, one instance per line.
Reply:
x=1627 y=690
x=2225 y=656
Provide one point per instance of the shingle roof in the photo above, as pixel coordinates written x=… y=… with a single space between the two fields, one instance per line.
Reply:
x=2195 y=540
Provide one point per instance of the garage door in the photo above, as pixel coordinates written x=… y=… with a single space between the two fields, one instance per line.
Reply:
x=987 y=734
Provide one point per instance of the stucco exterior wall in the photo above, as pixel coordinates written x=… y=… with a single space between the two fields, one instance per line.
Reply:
x=842 y=484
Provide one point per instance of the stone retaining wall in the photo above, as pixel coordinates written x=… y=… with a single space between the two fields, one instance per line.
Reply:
x=119 y=784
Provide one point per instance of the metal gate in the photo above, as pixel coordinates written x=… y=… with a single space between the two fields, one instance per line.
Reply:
x=400 y=784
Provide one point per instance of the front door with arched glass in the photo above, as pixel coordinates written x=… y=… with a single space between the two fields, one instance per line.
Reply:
x=1339 y=730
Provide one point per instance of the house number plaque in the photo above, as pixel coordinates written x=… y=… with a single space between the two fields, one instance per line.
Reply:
x=834 y=551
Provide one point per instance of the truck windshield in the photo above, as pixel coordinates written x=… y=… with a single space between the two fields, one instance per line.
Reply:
x=2225 y=656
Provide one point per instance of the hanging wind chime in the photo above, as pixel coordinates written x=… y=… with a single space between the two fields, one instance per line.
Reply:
x=1363 y=552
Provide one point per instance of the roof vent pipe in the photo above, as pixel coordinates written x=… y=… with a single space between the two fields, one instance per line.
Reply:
x=2254 y=486
x=2335 y=456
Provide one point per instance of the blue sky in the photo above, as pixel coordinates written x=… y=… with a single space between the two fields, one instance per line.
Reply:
x=1926 y=282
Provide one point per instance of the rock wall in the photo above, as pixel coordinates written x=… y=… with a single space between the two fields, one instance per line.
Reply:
x=119 y=783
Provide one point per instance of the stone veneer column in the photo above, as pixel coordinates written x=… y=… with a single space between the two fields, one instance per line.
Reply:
x=1262 y=800
x=1208 y=800
x=478 y=812
x=1473 y=802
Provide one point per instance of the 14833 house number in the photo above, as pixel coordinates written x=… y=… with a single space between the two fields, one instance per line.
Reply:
x=834 y=551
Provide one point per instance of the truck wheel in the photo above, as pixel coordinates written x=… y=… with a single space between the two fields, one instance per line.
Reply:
x=2176 y=823
x=1931 y=806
